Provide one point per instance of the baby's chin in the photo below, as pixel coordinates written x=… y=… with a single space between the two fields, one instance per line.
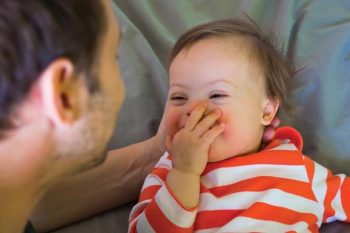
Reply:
x=215 y=156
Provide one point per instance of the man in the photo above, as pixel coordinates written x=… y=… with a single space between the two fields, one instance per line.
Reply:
x=58 y=101
x=60 y=90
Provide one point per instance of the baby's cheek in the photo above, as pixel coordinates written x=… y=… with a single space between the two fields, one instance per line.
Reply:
x=226 y=120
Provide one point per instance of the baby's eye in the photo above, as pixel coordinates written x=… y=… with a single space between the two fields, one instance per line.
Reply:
x=217 y=95
x=177 y=98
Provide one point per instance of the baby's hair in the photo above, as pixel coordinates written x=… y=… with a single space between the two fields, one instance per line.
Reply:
x=279 y=69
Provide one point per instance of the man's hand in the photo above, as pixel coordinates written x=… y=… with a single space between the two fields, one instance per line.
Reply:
x=269 y=132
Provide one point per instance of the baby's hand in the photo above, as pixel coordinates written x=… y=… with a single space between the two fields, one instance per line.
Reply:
x=190 y=145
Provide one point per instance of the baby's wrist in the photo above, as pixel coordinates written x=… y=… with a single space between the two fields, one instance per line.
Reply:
x=187 y=174
x=185 y=187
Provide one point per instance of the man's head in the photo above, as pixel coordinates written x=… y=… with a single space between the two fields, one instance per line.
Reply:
x=58 y=63
x=233 y=66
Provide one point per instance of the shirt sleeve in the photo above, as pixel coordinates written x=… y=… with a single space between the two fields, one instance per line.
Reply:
x=157 y=209
x=332 y=191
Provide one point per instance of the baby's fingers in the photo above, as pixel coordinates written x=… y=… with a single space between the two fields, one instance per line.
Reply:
x=207 y=122
x=209 y=136
x=196 y=116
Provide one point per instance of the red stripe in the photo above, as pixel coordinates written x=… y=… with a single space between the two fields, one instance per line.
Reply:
x=149 y=192
x=160 y=172
x=264 y=183
x=214 y=218
x=310 y=168
x=160 y=223
x=345 y=197
x=273 y=144
x=333 y=184
x=273 y=157
x=283 y=215
x=259 y=211
x=132 y=229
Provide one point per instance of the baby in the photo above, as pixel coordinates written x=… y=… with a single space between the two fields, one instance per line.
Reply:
x=227 y=82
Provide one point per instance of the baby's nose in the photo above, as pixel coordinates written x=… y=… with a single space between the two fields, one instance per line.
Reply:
x=193 y=105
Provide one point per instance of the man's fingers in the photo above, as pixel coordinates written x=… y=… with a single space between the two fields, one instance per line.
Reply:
x=268 y=135
x=275 y=122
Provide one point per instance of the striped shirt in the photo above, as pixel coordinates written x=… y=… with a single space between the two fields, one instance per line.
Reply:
x=275 y=190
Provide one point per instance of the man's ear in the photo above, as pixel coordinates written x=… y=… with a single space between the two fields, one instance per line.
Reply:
x=270 y=109
x=60 y=92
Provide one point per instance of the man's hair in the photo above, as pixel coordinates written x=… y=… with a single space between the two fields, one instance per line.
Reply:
x=278 y=68
x=33 y=33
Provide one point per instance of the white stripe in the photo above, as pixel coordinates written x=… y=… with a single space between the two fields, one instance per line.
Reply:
x=164 y=161
x=319 y=186
x=138 y=206
x=288 y=146
x=337 y=204
x=135 y=209
x=172 y=210
x=143 y=226
x=244 y=224
x=210 y=230
x=244 y=200
x=332 y=219
x=230 y=175
x=152 y=180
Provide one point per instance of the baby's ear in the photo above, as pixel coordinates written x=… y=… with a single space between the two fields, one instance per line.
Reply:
x=270 y=109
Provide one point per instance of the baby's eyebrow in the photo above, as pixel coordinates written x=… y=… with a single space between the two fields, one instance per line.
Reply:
x=221 y=81
x=177 y=85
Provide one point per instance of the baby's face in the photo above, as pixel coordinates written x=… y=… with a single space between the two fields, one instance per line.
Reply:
x=220 y=71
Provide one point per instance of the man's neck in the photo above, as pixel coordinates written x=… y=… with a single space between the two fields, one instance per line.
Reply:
x=16 y=206
x=25 y=162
